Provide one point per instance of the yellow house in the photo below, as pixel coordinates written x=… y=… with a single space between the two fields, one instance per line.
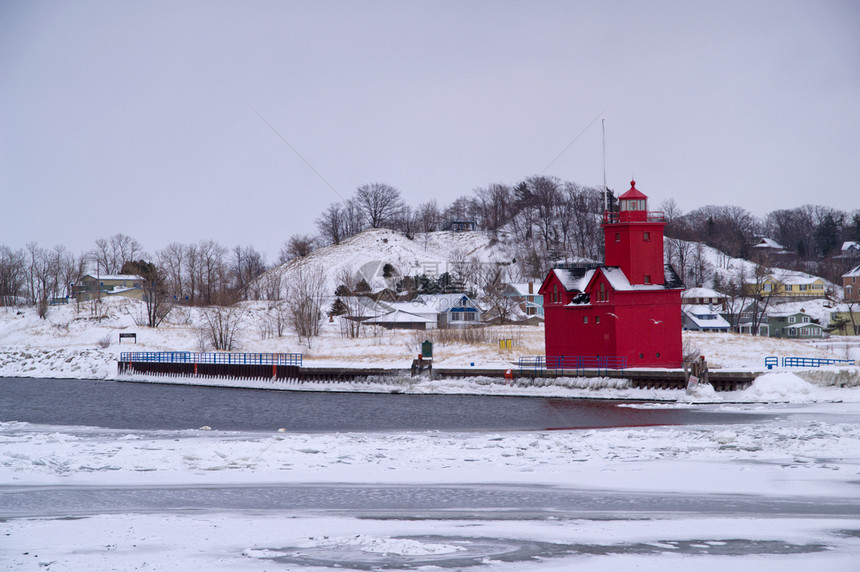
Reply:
x=128 y=285
x=841 y=323
x=796 y=285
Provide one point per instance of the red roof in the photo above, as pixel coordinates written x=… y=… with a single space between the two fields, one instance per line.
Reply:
x=633 y=193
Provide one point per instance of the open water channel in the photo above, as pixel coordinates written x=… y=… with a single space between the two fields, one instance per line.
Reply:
x=146 y=406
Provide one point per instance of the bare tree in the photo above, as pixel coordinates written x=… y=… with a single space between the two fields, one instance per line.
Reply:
x=406 y=221
x=353 y=218
x=496 y=296
x=730 y=229
x=270 y=285
x=172 y=261
x=736 y=297
x=40 y=277
x=763 y=289
x=222 y=325
x=701 y=268
x=305 y=296
x=192 y=272
x=112 y=253
x=13 y=273
x=495 y=204
x=671 y=210
x=332 y=224
x=580 y=217
x=212 y=273
x=428 y=217
x=276 y=319
x=247 y=266
x=380 y=204
x=678 y=253
x=297 y=246
x=354 y=307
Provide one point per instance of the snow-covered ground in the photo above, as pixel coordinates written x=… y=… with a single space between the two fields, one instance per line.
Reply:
x=806 y=453
x=82 y=341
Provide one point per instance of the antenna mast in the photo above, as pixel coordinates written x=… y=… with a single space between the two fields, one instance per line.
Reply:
x=605 y=190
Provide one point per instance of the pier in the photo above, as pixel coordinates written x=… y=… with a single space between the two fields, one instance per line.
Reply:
x=291 y=367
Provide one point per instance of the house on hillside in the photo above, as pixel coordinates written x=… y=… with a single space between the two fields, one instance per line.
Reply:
x=526 y=296
x=402 y=320
x=850 y=249
x=703 y=296
x=452 y=310
x=845 y=320
x=426 y=311
x=770 y=250
x=703 y=318
x=794 y=284
x=753 y=319
x=795 y=325
x=391 y=315
x=103 y=286
x=628 y=307
x=769 y=245
x=851 y=285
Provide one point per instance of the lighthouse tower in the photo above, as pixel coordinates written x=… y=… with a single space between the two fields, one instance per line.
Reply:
x=630 y=306
x=633 y=238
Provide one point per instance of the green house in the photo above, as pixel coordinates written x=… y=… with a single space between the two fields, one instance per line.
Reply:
x=795 y=325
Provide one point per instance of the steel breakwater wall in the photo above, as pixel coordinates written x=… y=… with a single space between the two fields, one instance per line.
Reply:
x=638 y=378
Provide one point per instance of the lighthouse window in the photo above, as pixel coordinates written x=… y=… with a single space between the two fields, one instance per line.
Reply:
x=646 y=236
x=617 y=237
x=596 y=319
x=585 y=319
x=555 y=293
x=647 y=279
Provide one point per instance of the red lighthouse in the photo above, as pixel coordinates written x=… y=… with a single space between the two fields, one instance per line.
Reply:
x=630 y=306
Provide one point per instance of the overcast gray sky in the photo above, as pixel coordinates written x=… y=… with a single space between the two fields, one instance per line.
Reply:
x=142 y=117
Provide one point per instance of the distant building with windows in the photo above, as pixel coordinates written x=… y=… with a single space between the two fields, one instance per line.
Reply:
x=527 y=298
x=845 y=320
x=793 y=325
x=794 y=284
x=851 y=285
x=108 y=285
x=703 y=318
x=452 y=310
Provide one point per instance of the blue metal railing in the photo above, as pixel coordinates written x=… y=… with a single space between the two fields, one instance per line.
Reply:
x=214 y=357
x=772 y=361
x=537 y=365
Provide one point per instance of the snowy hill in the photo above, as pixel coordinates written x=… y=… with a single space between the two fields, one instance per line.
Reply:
x=366 y=254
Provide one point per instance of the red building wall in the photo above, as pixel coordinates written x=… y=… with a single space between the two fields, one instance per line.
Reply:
x=643 y=326
x=636 y=248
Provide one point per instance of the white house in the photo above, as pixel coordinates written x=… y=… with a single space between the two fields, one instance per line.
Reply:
x=703 y=318
x=453 y=310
